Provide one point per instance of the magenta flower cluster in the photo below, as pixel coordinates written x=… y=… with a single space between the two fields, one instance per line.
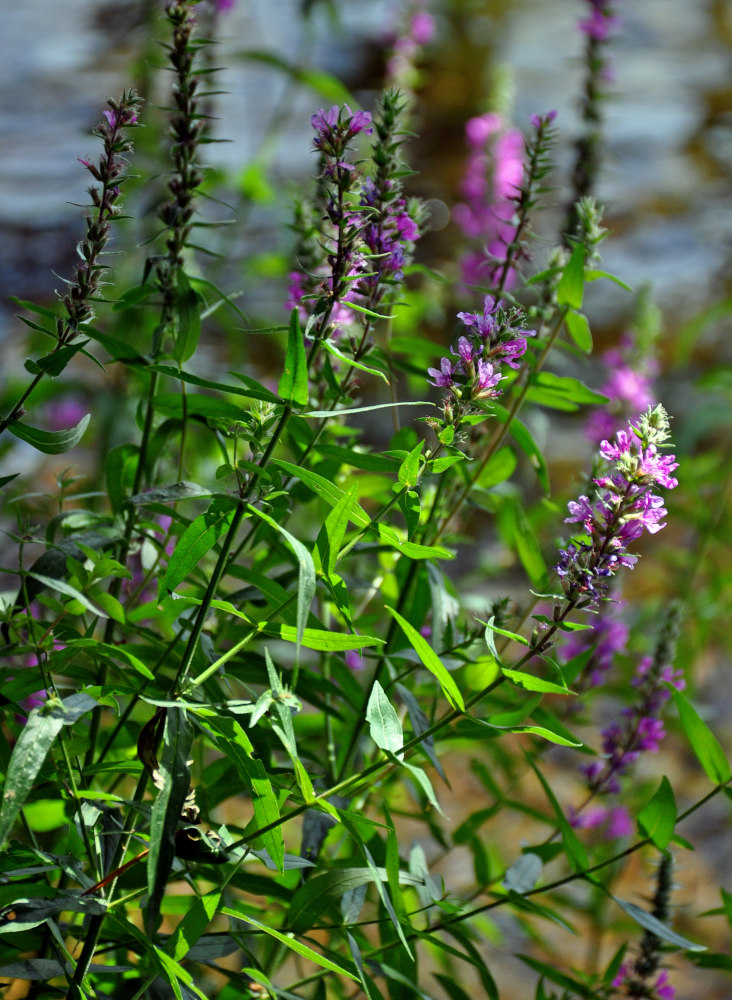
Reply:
x=493 y=175
x=625 y=508
x=335 y=128
x=490 y=339
x=607 y=637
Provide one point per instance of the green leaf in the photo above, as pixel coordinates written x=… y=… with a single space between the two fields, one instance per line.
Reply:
x=323 y=414
x=410 y=467
x=234 y=743
x=571 y=285
x=431 y=661
x=167 y=808
x=254 y=390
x=237 y=911
x=420 y=724
x=531 y=683
x=579 y=330
x=703 y=742
x=386 y=729
x=196 y=541
x=49 y=442
x=563 y=390
x=498 y=470
x=593 y=274
x=35 y=740
x=523 y=874
x=523 y=438
x=293 y=386
x=332 y=348
x=306 y=571
x=65 y=588
x=330 y=539
x=170 y=494
x=321 y=892
x=321 y=639
x=188 y=308
x=573 y=986
x=193 y=924
x=546 y=734
x=576 y=854
x=655 y=926
x=173 y=404
x=55 y=362
x=658 y=818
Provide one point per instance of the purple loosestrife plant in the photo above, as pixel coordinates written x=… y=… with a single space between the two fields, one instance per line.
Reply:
x=108 y=174
x=416 y=30
x=624 y=509
x=596 y=26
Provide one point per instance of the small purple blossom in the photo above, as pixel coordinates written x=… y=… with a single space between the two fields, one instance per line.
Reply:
x=543 y=121
x=443 y=378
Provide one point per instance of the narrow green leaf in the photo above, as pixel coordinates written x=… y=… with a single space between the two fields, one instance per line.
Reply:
x=55 y=362
x=571 y=285
x=237 y=911
x=409 y=469
x=323 y=414
x=658 y=818
x=196 y=541
x=167 y=808
x=431 y=661
x=193 y=925
x=576 y=854
x=594 y=274
x=253 y=391
x=65 y=588
x=523 y=874
x=188 y=308
x=234 y=743
x=321 y=639
x=305 y=573
x=386 y=729
x=561 y=739
x=35 y=740
x=579 y=330
x=531 y=683
x=170 y=494
x=330 y=539
x=655 y=926
x=49 y=442
x=321 y=891
x=196 y=404
x=703 y=742
x=332 y=348
x=293 y=386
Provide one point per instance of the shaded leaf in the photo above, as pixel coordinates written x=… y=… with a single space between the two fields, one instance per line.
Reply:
x=196 y=541
x=43 y=726
x=49 y=442
x=431 y=661
x=655 y=926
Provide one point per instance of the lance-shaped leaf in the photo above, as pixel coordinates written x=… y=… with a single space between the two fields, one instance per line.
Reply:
x=431 y=661
x=305 y=573
x=293 y=385
x=43 y=726
x=655 y=926
x=571 y=285
x=171 y=494
x=240 y=912
x=49 y=442
x=703 y=742
x=386 y=729
x=658 y=818
x=199 y=538
x=167 y=808
x=321 y=892
x=188 y=308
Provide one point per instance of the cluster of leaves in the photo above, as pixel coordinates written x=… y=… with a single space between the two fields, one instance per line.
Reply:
x=228 y=698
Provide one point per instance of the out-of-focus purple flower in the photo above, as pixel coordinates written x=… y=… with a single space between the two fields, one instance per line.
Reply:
x=628 y=387
x=600 y=22
x=543 y=121
x=607 y=637
x=354 y=659
x=627 y=979
x=416 y=28
x=224 y=5
x=492 y=178
x=422 y=27
x=65 y=412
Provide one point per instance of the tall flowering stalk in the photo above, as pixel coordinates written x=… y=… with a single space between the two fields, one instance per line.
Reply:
x=367 y=232
x=416 y=29
x=108 y=173
x=625 y=508
x=640 y=977
x=186 y=126
x=597 y=26
x=638 y=730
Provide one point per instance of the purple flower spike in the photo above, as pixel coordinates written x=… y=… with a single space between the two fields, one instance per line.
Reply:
x=541 y=121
